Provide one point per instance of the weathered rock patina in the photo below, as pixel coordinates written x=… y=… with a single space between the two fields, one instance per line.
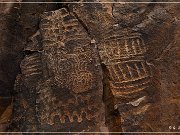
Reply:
x=93 y=67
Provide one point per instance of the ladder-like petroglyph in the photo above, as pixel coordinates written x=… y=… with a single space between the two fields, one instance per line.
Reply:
x=122 y=50
x=125 y=67
x=129 y=76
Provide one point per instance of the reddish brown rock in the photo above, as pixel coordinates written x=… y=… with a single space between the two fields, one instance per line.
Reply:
x=61 y=79
x=127 y=40
x=87 y=55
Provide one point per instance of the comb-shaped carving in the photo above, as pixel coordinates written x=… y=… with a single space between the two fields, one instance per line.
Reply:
x=32 y=65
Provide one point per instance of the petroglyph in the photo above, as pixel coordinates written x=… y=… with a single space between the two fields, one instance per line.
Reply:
x=88 y=53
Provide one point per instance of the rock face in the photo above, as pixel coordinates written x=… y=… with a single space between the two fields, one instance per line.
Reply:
x=60 y=86
x=126 y=36
x=18 y=22
x=97 y=67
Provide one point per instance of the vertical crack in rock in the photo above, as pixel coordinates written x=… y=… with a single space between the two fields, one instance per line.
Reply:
x=123 y=51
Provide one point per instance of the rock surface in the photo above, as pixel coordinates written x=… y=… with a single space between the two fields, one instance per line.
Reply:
x=90 y=67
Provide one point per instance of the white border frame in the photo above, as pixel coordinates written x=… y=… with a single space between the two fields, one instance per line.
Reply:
x=165 y=2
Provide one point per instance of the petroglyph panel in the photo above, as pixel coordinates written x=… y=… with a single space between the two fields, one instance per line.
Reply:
x=71 y=96
x=123 y=46
x=85 y=54
x=127 y=68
